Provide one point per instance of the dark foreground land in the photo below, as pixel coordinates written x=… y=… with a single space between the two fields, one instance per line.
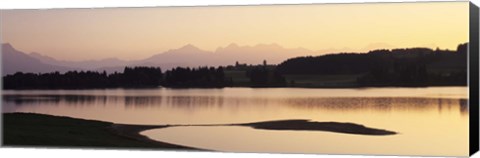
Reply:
x=27 y=129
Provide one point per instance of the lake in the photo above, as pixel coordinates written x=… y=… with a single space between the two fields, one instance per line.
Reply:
x=429 y=121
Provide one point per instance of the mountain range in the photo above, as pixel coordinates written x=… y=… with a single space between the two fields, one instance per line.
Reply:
x=14 y=60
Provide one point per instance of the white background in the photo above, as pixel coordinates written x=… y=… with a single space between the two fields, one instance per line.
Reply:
x=83 y=153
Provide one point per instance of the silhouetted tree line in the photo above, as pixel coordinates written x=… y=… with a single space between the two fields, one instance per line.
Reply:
x=136 y=77
x=397 y=67
x=262 y=77
x=131 y=77
x=196 y=77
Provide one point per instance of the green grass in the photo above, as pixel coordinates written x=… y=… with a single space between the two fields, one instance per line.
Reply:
x=22 y=129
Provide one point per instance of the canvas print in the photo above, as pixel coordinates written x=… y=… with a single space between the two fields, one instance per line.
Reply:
x=365 y=78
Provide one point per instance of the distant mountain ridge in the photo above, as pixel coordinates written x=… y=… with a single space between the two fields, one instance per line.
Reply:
x=88 y=64
x=188 y=55
x=16 y=61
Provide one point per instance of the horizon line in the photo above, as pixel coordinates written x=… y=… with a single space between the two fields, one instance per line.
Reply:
x=327 y=51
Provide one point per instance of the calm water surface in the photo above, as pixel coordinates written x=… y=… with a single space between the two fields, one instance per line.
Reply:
x=430 y=121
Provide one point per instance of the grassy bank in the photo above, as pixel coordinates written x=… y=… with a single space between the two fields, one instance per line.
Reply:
x=24 y=129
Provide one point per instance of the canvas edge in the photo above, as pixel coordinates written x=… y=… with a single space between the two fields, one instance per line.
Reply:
x=473 y=83
x=1 y=79
x=473 y=78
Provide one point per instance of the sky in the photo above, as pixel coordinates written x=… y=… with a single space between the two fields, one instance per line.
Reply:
x=138 y=33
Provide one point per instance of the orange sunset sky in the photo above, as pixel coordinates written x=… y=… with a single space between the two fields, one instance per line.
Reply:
x=136 y=33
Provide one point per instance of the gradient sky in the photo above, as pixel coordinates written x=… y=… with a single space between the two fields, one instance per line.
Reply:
x=137 y=33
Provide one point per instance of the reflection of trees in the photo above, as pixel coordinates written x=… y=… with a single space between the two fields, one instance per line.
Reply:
x=379 y=104
x=187 y=102
x=52 y=99
x=142 y=100
x=196 y=102
x=464 y=106
x=237 y=103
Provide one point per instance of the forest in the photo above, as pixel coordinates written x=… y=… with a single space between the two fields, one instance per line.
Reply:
x=411 y=67
x=139 y=77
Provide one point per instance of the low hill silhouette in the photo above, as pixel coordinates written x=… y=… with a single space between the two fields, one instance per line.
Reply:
x=397 y=67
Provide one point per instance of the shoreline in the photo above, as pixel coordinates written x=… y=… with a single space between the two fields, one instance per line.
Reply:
x=41 y=130
x=133 y=132
x=306 y=87
x=31 y=129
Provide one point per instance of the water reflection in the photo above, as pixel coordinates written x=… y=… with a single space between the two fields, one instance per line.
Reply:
x=379 y=104
x=422 y=116
x=201 y=102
